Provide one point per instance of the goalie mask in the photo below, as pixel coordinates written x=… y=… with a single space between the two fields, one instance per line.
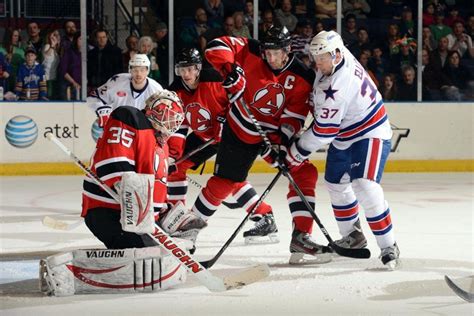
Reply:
x=164 y=110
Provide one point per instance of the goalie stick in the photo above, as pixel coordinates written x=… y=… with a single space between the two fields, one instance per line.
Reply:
x=465 y=295
x=169 y=245
x=209 y=263
x=362 y=253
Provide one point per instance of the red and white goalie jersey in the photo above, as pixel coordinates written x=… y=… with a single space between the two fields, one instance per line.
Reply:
x=275 y=98
x=205 y=109
x=127 y=144
x=119 y=91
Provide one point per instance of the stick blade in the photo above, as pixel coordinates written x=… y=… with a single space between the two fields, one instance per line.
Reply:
x=54 y=223
x=468 y=297
x=361 y=253
x=247 y=276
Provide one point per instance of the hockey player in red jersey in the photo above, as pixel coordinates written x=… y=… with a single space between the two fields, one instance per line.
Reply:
x=206 y=105
x=276 y=86
x=133 y=141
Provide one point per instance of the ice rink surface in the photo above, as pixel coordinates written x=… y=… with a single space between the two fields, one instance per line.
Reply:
x=432 y=216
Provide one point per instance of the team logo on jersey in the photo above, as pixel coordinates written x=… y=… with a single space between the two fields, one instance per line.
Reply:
x=270 y=99
x=198 y=117
x=121 y=93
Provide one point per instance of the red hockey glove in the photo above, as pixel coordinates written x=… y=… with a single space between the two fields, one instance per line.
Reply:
x=235 y=82
x=103 y=114
x=275 y=156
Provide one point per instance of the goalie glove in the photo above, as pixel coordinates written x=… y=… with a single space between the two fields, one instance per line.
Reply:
x=234 y=82
x=103 y=114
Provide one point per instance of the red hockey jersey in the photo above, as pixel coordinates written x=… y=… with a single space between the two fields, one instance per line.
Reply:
x=274 y=97
x=204 y=107
x=127 y=144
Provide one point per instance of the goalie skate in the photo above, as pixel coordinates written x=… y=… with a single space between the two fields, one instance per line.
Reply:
x=304 y=250
x=264 y=232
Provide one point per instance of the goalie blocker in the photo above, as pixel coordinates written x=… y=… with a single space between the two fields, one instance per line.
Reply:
x=110 y=271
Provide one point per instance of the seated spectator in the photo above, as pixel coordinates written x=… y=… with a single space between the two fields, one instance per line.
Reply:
x=392 y=39
x=378 y=64
x=103 y=61
x=406 y=55
x=34 y=38
x=439 y=55
x=213 y=33
x=325 y=9
x=214 y=10
x=362 y=43
x=131 y=42
x=300 y=41
x=50 y=63
x=69 y=31
x=453 y=17
x=407 y=25
x=14 y=54
x=432 y=78
x=284 y=16
x=360 y=8
x=70 y=69
x=5 y=71
x=407 y=88
x=318 y=27
x=457 y=77
x=460 y=41
x=30 y=81
x=439 y=29
x=145 y=46
x=388 y=89
x=429 y=14
x=364 y=61
x=240 y=29
x=429 y=42
x=349 y=32
x=248 y=15
x=190 y=35
x=267 y=21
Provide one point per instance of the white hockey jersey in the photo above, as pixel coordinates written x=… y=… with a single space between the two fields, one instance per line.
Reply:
x=347 y=107
x=118 y=91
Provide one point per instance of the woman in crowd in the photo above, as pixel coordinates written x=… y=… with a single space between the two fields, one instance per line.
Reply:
x=14 y=54
x=51 y=62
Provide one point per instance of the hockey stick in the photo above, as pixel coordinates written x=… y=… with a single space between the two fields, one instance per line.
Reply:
x=465 y=295
x=169 y=245
x=209 y=263
x=362 y=253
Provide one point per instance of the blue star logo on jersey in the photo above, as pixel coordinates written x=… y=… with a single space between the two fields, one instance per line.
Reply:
x=114 y=78
x=329 y=93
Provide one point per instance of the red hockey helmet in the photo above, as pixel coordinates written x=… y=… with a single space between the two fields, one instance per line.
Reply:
x=164 y=110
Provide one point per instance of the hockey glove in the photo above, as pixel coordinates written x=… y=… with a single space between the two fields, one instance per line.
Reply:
x=103 y=114
x=234 y=82
x=275 y=156
x=295 y=156
x=172 y=168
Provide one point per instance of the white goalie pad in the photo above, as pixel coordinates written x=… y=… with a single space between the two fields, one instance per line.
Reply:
x=109 y=271
x=136 y=202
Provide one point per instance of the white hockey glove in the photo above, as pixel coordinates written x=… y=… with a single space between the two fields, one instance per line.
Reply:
x=135 y=192
x=103 y=114
x=295 y=156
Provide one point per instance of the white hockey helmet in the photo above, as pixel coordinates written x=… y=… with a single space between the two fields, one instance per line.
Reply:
x=326 y=42
x=139 y=60
x=164 y=109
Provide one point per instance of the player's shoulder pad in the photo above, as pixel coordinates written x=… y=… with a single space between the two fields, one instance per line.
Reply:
x=210 y=75
x=299 y=68
x=125 y=76
x=132 y=117
x=154 y=84
x=254 y=47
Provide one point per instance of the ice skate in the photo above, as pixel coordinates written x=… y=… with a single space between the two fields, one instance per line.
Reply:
x=264 y=232
x=390 y=257
x=304 y=250
x=355 y=240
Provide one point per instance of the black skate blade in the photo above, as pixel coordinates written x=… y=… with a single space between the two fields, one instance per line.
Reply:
x=362 y=253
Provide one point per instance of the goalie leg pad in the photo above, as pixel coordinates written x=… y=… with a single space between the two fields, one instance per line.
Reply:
x=136 y=203
x=109 y=271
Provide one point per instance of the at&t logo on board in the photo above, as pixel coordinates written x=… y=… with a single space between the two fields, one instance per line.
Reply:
x=21 y=131
x=96 y=131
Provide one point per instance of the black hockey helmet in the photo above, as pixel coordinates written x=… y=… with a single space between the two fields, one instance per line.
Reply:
x=188 y=57
x=276 y=37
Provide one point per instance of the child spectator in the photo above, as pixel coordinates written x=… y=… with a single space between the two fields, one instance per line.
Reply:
x=51 y=62
x=30 y=82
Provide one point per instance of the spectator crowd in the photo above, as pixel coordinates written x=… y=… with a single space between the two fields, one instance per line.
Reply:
x=381 y=34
